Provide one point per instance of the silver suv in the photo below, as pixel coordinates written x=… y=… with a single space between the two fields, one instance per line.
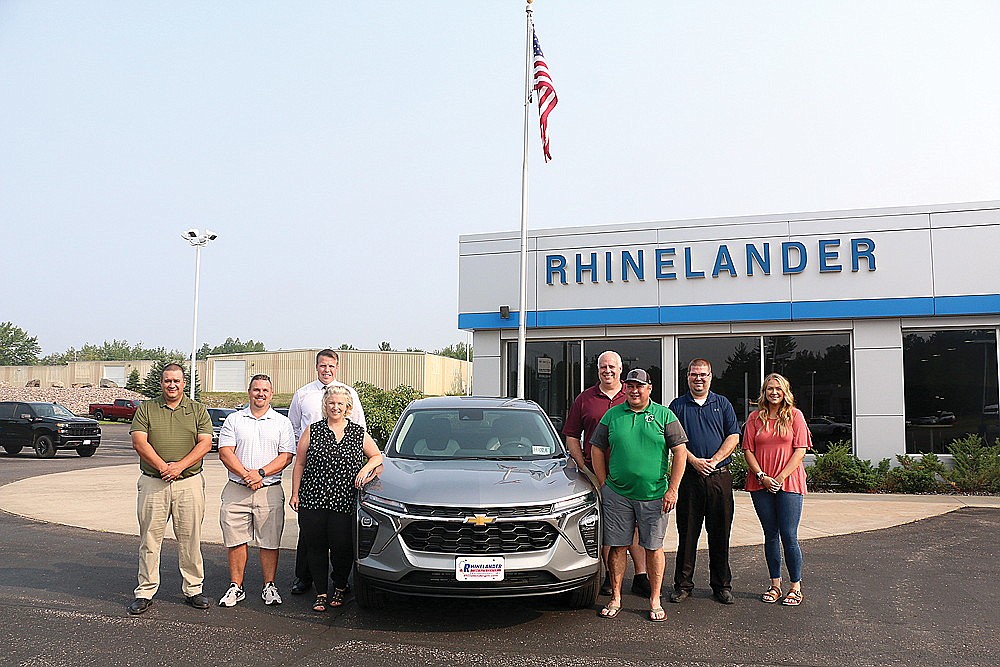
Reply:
x=477 y=498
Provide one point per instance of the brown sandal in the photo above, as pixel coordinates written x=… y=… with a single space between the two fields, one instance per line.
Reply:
x=771 y=595
x=793 y=599
x=337 y=597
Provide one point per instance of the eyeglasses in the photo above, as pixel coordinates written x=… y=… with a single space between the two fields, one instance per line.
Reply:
x=699 y=376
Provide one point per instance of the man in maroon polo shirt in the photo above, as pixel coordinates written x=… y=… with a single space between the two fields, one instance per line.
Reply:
x=586 y=413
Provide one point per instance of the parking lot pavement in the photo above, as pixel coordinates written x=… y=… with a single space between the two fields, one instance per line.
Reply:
x=915 y=594
x=919 y=593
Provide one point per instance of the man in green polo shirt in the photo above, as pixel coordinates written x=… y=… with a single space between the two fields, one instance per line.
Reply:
x=632 y=449
x=171 y=434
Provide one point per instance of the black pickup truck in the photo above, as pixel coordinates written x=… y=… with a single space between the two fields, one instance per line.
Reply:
x=46 y=427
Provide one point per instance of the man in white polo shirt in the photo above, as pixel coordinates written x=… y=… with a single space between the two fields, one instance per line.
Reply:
x=255 y=444
x=306 y=408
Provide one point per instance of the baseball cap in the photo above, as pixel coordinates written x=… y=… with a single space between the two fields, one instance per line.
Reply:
x=637 y=375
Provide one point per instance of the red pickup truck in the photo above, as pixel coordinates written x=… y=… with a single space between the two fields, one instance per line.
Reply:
x=122 y=408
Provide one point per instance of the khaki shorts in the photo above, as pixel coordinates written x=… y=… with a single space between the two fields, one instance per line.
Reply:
x=623 y=515
x=252 y=515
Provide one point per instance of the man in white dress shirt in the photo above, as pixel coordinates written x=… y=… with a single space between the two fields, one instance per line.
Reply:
x=255 y=444
x=307 y=408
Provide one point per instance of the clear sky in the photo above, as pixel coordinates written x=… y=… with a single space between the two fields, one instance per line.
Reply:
x=339 y=149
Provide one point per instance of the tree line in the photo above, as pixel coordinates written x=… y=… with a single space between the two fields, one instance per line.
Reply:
x=19 y=348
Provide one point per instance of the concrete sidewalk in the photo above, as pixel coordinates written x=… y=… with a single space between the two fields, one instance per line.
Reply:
x=103 y=499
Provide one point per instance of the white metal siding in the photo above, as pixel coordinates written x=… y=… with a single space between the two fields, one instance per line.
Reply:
x=229 y=375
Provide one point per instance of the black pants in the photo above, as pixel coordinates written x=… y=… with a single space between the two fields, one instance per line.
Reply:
x=707 y=500
x=327 y=534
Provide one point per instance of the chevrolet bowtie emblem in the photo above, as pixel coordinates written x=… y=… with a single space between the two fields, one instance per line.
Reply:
x=479 y=519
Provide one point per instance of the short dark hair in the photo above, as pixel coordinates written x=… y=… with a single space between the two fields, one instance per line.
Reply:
x=172 y=366
x=700 y=362
x=327 y=353
x=260 y=376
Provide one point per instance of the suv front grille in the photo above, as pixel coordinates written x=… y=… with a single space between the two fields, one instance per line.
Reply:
x=434 y=512
x=496 y=538
x=526 y=578
x=81 y=430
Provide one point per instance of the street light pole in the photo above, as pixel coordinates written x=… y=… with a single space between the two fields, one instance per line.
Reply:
x=198 y=241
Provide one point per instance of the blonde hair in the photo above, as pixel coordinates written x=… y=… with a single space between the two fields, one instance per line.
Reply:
x=338 y=390
x=783 y=424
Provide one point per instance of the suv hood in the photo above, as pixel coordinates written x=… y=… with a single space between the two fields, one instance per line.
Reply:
x=462 y=483
x=67 y=420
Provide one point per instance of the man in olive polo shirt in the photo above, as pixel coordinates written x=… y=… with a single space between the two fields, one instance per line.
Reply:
x=171 y=434
x=632 y=449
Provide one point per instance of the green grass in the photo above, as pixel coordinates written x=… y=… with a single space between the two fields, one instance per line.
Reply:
x=228 y=399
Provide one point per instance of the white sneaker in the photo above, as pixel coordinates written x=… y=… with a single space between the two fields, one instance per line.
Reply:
x=232 y=596
x=270 y=594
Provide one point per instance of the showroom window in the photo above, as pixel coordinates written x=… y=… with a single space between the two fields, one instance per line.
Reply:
x=644 y=354
x=818 y=367
x=950 y=387
x=552 y=375
x=735 y=368
x=553 y=369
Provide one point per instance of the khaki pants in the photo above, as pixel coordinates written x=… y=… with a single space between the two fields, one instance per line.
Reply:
x=183 y=502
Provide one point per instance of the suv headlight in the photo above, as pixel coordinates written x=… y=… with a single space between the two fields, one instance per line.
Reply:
x=379 y=502
x=576 y=502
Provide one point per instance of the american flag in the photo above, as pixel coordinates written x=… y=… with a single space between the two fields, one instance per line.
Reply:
x=547 y=98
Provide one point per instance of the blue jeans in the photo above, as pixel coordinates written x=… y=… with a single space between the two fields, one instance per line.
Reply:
x=779 y=515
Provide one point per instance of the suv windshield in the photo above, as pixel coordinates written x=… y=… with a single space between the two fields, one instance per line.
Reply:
x=51 y=410
x=475 y=433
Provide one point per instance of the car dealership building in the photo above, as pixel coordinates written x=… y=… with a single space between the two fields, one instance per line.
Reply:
x=885 y=321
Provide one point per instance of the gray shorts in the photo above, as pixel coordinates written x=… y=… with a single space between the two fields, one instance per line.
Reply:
x=622 y=515
x=247 y=515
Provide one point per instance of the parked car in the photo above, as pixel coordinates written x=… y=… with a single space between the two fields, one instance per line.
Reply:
x=828 y=428
x=47 y=427
x=218 y=416
x=477 y=498
x=122 y=408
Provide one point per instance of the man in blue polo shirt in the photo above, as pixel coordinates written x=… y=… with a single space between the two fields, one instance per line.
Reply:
x=706 y=493
x=634 y=447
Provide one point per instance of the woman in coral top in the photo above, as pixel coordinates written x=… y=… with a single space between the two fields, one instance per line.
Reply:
x=775 y=441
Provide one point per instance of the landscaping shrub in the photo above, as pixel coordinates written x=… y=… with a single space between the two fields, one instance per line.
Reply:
x=923 y=475
x=738 y=469
x=976 y=466
x=839 y=469
x=382 y=408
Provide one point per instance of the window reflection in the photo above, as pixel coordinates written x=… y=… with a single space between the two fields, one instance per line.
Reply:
x=644 y=354
x=735 y=368
x=552 y=375
x=818 y=366
x=950 y=387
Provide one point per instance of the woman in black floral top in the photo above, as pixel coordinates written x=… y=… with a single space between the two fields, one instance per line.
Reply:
x=335 y=458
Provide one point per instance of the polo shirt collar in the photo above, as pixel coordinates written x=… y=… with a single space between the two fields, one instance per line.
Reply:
x=185 y=402
x=596 y=390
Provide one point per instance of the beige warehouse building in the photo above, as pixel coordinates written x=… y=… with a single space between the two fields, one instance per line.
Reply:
x=430 y=374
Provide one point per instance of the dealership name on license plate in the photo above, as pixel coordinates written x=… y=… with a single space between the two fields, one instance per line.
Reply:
x=479 y=568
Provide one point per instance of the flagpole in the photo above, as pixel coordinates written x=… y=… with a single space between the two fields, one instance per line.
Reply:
x=522 y=319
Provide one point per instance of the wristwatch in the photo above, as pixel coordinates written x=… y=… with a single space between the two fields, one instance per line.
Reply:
x=260 y=471
x=760 y=475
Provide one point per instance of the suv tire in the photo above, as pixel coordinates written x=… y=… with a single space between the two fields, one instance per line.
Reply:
x=13 y=449
x=44 y=447
x=585 y=596
x=98 y=415
x=366 y=595
x=86 y=450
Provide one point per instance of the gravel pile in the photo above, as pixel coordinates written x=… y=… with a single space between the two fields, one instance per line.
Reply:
x=78 y=400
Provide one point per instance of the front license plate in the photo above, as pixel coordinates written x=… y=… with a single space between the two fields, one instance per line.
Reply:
x=86 y=442
x=479 y=568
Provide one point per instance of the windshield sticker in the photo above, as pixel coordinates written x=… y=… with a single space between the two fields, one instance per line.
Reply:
x=539 y=450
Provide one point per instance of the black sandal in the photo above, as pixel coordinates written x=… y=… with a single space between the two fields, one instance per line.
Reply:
x=319 y=605
x=337 y=597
